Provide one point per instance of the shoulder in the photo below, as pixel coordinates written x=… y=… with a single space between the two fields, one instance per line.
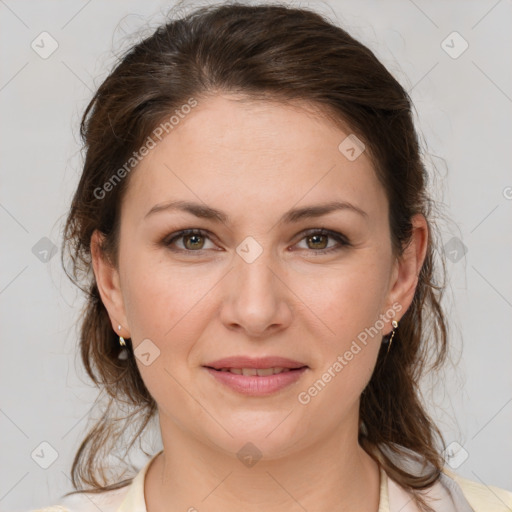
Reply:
x=128 y=498
x=108 y=501
x=482 y=497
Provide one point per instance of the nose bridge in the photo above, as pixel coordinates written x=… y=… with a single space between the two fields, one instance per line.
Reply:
x=257 y=295
x=255 y=268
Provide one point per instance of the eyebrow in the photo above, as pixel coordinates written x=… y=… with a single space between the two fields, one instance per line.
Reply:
x=295 y=215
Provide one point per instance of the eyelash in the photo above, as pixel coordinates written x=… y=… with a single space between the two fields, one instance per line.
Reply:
x=342 y=240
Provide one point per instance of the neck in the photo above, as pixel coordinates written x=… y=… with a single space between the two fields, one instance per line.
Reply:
x=334 y=474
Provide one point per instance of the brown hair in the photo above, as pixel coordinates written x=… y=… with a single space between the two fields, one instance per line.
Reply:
x=284 y=54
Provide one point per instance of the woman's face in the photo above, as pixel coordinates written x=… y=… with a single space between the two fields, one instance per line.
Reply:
x=260 y=282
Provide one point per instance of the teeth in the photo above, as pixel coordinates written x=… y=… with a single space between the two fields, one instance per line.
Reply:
x=261 y=372
x=267 y=371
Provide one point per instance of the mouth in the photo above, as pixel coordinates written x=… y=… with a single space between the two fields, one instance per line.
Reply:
x=256 y=377
x=248 y=365
x=260 y=372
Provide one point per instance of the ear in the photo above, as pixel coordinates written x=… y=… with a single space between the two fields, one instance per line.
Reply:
x=407 y=267
x=107 y=279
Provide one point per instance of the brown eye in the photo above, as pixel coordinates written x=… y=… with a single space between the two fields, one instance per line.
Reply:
x=317 y=241
x=193 y=240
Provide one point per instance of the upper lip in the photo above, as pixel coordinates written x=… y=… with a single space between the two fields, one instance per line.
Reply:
x=255 y=362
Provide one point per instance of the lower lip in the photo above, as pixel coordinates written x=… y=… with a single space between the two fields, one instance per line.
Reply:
x=255 y=385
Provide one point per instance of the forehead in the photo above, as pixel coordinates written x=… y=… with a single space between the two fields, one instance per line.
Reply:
x=234 y=152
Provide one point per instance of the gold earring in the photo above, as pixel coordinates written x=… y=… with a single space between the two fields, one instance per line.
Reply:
x=121 y=339
x=394 y=323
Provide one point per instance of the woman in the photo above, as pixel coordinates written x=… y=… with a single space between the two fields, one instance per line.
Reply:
x=253 y=209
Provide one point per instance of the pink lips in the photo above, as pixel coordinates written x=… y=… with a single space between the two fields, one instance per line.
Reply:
x=256 y=385
x=255 y=362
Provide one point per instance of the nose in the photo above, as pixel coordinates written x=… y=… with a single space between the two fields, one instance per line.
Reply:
x=257 y=300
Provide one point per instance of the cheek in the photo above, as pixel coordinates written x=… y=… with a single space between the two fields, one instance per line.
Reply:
x=166 y=304
x=346 y=300
x=155 y=301
x=148 y=304
x=347 y=309
x=160 y=308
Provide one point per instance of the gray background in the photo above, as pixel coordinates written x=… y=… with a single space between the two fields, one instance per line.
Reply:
x=464 y=114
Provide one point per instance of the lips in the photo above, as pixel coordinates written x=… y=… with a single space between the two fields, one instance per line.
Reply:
x=253 y=376
x=256 y=385
x=247 y=364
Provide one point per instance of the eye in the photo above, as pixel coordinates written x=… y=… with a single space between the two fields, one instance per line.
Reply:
x=317 y=238
x=193 y=240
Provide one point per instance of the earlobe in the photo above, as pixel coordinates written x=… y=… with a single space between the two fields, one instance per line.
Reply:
x=109 y=286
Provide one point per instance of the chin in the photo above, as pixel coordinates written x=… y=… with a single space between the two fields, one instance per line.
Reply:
x=267 y=439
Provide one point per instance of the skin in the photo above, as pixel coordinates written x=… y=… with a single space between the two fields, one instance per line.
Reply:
x=255 y=160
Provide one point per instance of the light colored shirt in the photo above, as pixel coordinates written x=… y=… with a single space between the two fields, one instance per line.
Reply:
x=451 y=493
